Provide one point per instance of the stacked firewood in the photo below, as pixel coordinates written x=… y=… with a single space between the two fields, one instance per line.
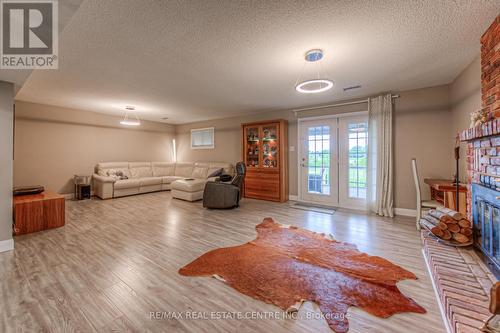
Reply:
x=448 y=225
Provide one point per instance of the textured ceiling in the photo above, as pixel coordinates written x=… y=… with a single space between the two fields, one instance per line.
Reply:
x=197 y=60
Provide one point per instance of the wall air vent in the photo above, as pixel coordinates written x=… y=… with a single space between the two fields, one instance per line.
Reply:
x=352 y=87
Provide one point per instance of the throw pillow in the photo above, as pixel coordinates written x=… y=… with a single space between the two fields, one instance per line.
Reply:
x=216 y=173
x=113 y=174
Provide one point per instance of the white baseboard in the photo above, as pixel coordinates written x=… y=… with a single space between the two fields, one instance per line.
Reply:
x=6 y=245
x=405 y=212
x=397 y=211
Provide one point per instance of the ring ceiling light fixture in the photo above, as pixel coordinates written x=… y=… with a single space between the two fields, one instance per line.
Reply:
x=317 y=85
x=130 y=120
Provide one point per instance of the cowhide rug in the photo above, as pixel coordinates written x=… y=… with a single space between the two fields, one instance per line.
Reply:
x=287 y=265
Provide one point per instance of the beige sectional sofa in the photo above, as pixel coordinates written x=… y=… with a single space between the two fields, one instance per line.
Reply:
x=144 y=177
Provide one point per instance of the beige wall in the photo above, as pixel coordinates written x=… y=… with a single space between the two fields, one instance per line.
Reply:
x=6 y=128
x=228 y=140
x=422 y=130
x=52 y=144
x=465 y=94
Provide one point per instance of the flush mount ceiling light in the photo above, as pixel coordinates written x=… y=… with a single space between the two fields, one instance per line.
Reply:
x=317 y=85
x=130 y=118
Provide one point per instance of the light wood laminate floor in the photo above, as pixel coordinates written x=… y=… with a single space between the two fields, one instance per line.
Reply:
x=116 y=261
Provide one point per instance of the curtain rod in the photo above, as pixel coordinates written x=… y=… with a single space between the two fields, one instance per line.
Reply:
x=336 y=105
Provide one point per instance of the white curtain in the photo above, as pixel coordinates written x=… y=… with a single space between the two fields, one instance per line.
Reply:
x=380 y=163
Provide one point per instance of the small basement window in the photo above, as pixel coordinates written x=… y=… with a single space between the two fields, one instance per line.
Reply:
x=202 y=138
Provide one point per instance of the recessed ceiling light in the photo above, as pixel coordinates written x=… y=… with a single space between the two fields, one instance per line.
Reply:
x=317 y=85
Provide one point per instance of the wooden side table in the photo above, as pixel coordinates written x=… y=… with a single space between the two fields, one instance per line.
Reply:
x=444 y=191
x=37 y=212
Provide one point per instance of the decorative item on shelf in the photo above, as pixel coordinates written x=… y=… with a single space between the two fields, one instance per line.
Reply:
x=480 y=117
x=27 y=190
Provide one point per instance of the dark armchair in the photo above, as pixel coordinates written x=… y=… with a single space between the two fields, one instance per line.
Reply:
x=225 y=194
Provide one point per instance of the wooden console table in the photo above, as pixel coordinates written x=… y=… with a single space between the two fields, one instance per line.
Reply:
x=37 y=212
x=444 y=191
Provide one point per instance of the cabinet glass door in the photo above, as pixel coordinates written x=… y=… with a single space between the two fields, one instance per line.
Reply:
x=252 y=135
x=270 y=146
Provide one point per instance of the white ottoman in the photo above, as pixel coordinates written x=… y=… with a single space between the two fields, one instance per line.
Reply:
x=189 y=190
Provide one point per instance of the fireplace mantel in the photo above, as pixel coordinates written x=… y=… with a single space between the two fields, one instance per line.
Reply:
x=485 y=130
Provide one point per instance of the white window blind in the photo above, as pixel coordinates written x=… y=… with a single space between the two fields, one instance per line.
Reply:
x=202 y=138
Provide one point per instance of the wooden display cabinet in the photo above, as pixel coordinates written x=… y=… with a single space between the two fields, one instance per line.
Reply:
x=265 y=156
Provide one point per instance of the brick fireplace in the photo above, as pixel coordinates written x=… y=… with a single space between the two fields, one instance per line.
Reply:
x=462 y=277
x=483 y=145
x=483 y=141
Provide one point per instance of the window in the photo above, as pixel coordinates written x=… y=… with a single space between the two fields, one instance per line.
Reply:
x=358 y=145
x=318 y=173
x=202 y=138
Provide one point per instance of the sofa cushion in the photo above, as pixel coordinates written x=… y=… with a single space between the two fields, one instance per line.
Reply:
x=162 y=169
x=170 y=179
x=127 y=183
x=189 y=185
x=200 y=170
x=216 y=173
x=150 y=181
x=118 y=173
x=140 y=169
x=227 y=167
x=110 y=169
x=184 y=169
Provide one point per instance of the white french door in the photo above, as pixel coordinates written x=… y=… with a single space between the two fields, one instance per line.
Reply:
x=333 y=161
x=318 y=152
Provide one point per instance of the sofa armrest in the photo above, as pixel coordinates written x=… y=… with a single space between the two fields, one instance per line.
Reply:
x=103 y=186
x=103 y=179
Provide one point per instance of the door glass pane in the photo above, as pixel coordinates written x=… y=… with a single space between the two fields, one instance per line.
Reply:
x=270 y=146
x=252 y=153
x=478 y=223
x=318 y=160
x=486 y=228
x=358 y=146
x=495 y=217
